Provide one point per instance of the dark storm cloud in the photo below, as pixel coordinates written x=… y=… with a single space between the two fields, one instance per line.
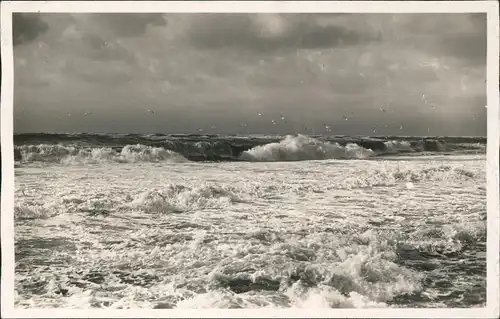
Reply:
x=244 y=31
x=27 y=27
x=97 y=48
x=479 y=19
x=129 y=24
x=471 y=48
x=459 y=36
x=198 y=71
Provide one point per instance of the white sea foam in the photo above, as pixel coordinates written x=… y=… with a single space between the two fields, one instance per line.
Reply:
x=334 y=233
x=71 y=154
x=175 y=198
x=388 y=175
x=301 y=147
x=398 y=146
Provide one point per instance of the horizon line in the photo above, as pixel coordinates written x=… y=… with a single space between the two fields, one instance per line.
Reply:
x=246 y=134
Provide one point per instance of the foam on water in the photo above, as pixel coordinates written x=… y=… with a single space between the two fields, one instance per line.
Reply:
x=334 y=233
x=69 y=154
x=395 y=147
x=394 y=175
x=175 y=198
x=300 y=148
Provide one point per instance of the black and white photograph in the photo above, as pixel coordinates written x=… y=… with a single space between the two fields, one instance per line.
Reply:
x=250 y=160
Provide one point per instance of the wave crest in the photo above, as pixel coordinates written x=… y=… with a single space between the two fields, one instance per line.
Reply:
x=252 y=149
x=70 y=154
x=301 y=147
x=394 y=147
x=179 y=198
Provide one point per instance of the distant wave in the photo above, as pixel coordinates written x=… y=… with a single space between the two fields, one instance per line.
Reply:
x=74 y=154
x=130 y=148
x=398 y=146
x=300 y=148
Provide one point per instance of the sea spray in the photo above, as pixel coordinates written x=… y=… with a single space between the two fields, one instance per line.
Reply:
x=301 y=147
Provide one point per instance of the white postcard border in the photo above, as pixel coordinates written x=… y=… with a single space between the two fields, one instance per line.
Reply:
x=493 y=139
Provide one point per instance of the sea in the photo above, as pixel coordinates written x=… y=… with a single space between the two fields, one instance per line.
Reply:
x=164 y=221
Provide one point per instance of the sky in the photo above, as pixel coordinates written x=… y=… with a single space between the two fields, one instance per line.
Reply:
x=346 y=74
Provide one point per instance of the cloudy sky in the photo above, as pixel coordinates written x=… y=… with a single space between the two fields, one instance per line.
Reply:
x=404 y=74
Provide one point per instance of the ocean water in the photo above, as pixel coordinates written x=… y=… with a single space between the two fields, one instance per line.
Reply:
x=129 y=221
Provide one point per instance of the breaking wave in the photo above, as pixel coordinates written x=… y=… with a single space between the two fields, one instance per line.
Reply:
x=394 y=147
x=207 y=148
x=300 y=148
x=70 y=154
x=179 y=198
x=173 y=198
